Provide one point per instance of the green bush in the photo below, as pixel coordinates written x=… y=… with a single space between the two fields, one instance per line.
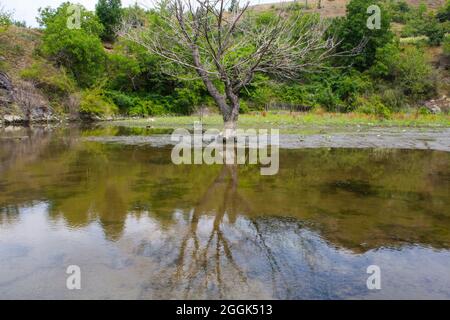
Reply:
x=423 y=111
x=443 y=13
x=95 y=103
x=149 y=107
x=399 y=11
x=433 y=30
x=406 y=68
x=373 y=106
x=393 y=98
x=123 y=101
x=446 y=45
x=244 y=108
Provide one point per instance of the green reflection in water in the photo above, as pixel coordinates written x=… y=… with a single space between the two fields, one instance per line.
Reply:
x=223 y=231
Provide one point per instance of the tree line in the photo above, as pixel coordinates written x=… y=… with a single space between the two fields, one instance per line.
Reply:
x=142 y=61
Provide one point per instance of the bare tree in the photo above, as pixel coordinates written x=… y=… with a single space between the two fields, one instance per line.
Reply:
x=226 y=49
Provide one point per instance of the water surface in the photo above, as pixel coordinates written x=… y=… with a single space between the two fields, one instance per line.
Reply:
x=140 y=227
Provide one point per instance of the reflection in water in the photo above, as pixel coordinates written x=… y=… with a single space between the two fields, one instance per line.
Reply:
x=140 y=227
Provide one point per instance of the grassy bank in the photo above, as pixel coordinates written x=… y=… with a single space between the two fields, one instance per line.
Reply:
x=286 y=120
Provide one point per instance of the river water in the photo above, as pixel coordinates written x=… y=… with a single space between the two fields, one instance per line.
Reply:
x=139 y=227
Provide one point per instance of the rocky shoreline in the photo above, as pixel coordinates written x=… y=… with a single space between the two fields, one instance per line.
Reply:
x=22 y=103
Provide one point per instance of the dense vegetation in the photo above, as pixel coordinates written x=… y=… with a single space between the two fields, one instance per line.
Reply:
x=89 y=70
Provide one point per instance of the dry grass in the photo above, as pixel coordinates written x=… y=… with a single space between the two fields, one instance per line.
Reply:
x=334 y=8
x=17 y=46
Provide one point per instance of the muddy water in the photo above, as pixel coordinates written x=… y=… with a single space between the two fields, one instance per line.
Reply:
x=111 y=202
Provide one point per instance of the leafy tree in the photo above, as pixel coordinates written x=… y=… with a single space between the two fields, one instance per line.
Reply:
x=135 y=14
x=134 y=69
x=227 y=51
x=433 y=30
x=353 y=30
x=407 y=68
x=110 y=13
x=79 y=50
x=443 y=13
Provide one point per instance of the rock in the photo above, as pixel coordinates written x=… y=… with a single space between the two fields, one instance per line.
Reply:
x=439 y=105
x=12 y=118
x=5 y=82
x=434 y=109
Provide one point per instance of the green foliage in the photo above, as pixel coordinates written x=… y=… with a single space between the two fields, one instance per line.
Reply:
x=135 y=15
x=265 y=18
x=423 y=111
x=260 y=92
x=5 y=19
x=446 y=45
x=399 y=10
x=443 y=13
x=407 y=68
x=374 y=106
x=134 y=69
x=420 y=22
x=109 y=13
x=51 y=80
x=385 y=77
x=95 y=103
x=352 y=30
x=78 y=50
x=20 y=24
x=244 y=107
x=434 y=31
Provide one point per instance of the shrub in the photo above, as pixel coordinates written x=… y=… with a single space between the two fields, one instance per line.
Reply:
x=394 y=98
x=123 y=101
x=423 y=111
x=406 y=68
x=149 y=107
x=443 y=13
x=95 y=103
x=244 y=108
x=433 y=30
x=373 y=106
x=446 y=45
x=399 y=11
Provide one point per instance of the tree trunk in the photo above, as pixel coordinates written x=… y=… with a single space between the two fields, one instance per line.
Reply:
x=230 y=118
x=228 y=103
x=229 y=127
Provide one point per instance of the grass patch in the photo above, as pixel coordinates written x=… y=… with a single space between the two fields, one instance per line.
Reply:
x=299 y=121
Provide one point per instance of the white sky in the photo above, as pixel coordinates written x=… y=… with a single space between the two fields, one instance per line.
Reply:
x=27 y=10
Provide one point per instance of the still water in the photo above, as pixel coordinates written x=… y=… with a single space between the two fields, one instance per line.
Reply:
x=140 y=227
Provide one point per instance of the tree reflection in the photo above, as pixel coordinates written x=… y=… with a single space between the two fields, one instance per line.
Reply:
x=220 y=252
x=195 y=261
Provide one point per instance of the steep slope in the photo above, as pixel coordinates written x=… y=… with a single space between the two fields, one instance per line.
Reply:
x=20 y=100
